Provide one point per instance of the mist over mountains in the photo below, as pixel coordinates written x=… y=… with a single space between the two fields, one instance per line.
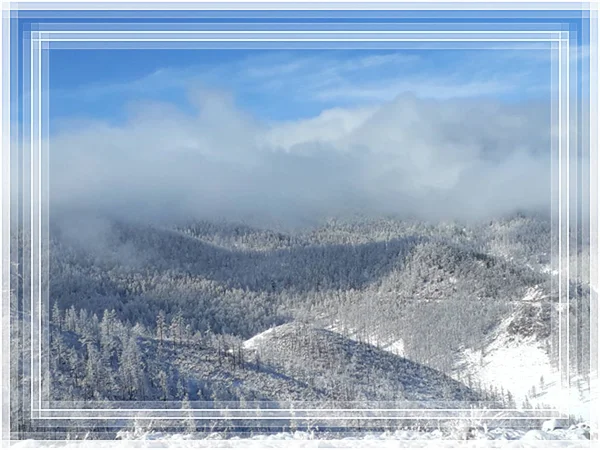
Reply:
x=411 y=157
x=437 y=289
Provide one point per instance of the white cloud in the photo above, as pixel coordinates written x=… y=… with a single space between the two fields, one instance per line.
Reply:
x=424 y=157
x=434 y=88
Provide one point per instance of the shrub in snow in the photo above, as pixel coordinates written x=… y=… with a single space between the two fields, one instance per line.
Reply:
x=553 y=424
x=581 y=430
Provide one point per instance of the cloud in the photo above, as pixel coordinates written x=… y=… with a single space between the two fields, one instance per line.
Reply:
x=434 y=159
x=434 y=88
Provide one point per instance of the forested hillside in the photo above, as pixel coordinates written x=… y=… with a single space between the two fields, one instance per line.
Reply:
x=224 y=312
x=239 y=280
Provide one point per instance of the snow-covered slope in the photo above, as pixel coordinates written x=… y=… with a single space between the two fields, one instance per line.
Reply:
x=521 y=365
x=514 y=363
x=254 y=342
x=351 y=370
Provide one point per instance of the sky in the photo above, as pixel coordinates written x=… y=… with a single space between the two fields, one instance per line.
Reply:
x=276 y=85
x=298 y=135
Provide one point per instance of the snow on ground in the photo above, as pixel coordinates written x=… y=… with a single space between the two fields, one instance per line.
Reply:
x=533 y=294
x=255 y=341
x=548 y=269
x=515 y=364
x=498 y=438
x=397 y=348
x=518 y=365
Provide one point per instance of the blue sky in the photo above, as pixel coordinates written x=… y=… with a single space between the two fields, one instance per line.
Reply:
x=292 y=135
x=277 y=85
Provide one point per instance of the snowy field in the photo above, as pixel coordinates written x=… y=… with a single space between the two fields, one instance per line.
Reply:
x=573 y=437
x=496 y=438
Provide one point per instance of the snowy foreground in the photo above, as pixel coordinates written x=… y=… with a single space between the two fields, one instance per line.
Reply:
x=497 y=438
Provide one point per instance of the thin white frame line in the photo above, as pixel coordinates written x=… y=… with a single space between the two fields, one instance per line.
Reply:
x=303 y=409
x=300 y=418
x=44 y=32
x=45 y=150
x=560 y=259
x=568 y=196
x=6 y=269
x=34 y=148
x=297 y=40
x=594 y=218
x=32 y=152
x=560 y=88
x=39 y=40
x=39 y=205
x=31 y=145
x=303 y=6
x=296 y=417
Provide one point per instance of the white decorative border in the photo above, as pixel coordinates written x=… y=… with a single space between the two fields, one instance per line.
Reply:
x=41 y=39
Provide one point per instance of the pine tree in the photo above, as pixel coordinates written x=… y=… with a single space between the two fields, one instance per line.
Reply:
x=176 y=328
x=93 y=381
x=71 y=319
x=58 y=351
x=108 y=343
x=56 y=317
x=138 y=330
x=533 y=392
x=188 y=334
x=75 y=366
x=181 y=388
x=107 y=326
x=164 y=385
x=189 y=422
x=131 y=371
x=83 y=321
x=161 y=327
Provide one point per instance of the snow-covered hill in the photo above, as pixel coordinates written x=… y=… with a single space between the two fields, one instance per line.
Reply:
x=351 y=370
x=522 y=366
